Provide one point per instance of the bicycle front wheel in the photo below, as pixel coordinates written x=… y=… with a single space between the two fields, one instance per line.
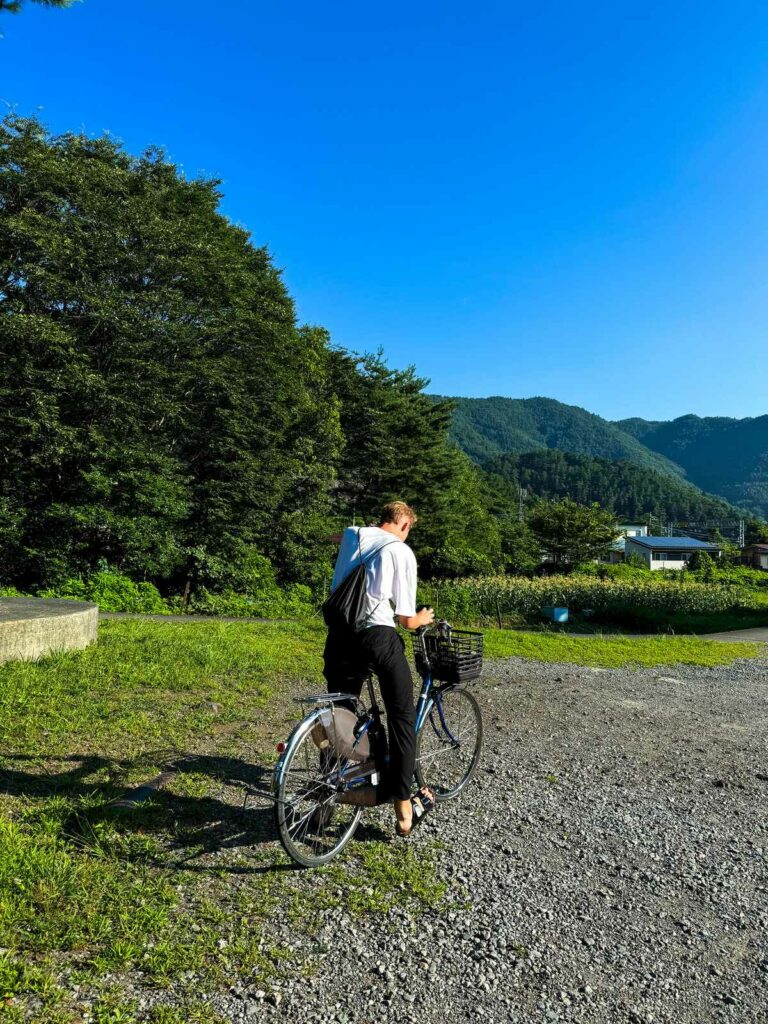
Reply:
x=449 y=743
x=313 y=828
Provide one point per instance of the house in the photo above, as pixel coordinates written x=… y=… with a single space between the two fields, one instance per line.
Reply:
x=667 y=552
x=616 y=552
x=756 y=555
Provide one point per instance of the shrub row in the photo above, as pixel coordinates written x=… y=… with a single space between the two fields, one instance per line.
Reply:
x=113 y=591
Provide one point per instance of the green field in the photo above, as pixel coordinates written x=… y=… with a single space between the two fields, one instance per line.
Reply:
x=87 y=893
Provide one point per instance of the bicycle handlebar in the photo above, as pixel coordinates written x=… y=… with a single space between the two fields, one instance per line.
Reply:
x=441 y=625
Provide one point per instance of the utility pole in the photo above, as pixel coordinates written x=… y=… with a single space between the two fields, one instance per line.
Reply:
x=522 y=498
x=742 y=534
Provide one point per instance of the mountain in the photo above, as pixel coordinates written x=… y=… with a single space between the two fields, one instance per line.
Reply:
x=720 y=454
x=631 y=491
x=484 y=427
x=726 y=458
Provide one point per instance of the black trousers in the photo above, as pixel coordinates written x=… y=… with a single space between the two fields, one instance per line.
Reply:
x=348 y=658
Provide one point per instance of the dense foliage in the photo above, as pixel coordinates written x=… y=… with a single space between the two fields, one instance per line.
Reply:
x=569 y=533
x=161 y=411
x=723 y=455
x=14 y=6
x=484 y=427
x=630 y=491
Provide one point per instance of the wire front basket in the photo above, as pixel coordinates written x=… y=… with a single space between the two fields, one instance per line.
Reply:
x=456 y=657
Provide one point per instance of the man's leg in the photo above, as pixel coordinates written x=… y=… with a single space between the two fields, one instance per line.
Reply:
x=345 y=669
x=344 y=666
x=386 y=652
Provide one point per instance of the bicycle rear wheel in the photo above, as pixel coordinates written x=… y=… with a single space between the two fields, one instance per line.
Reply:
x=449 y=743
x=313 y=828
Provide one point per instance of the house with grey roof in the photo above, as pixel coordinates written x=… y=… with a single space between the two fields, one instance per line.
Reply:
x=668 y=552
x=756 y=555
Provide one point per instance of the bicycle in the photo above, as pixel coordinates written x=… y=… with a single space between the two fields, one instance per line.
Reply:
x=340 y=745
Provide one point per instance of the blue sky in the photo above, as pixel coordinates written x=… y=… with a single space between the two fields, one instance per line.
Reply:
x=520 y=199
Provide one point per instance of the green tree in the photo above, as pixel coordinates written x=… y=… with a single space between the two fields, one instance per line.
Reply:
x=703 y=564
x=14 y=6
x=571 y=533
x=159 y=408
x=521 y=551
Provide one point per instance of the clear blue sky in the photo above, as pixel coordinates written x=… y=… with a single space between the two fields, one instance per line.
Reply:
x=553 y=199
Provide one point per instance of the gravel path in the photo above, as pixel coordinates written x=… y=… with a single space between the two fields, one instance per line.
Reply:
x=609 y=864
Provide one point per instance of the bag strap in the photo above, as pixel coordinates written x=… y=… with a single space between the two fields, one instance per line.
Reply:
x=365 y=564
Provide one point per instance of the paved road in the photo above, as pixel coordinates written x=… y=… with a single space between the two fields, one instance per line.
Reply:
x=182 y=618
x=759 y=634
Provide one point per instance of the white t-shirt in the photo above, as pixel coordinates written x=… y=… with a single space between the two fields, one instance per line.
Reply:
x=390 y=575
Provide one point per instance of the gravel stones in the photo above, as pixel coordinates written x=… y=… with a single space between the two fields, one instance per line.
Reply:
x=608 y=864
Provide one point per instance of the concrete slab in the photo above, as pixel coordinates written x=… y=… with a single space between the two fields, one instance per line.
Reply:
x=32 y=627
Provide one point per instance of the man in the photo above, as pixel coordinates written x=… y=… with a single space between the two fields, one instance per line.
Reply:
x=376 y=645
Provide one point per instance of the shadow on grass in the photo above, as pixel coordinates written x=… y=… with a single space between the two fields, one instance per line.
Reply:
x=234 y=814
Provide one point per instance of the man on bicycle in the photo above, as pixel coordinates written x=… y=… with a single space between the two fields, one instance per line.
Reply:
x=375 y=644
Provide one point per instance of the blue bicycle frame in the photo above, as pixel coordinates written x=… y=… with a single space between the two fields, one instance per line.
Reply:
x=429 y=698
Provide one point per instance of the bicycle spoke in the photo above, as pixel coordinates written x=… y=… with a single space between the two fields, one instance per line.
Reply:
x=311 y=824
x=449 y=743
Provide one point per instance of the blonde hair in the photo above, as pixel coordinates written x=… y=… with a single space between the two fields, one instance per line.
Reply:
x=394 y=511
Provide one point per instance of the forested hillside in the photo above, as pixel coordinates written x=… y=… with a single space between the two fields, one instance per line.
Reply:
x=484 y=427
x=719 y=454
x=724 y=457
x=629 y=490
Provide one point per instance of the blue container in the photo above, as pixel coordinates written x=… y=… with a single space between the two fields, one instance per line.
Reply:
x=555 y=614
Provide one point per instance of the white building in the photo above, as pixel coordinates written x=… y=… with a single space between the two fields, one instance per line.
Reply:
x=667 y=552
x=616 y=553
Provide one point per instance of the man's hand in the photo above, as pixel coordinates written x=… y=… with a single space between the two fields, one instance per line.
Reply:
x=424 y=617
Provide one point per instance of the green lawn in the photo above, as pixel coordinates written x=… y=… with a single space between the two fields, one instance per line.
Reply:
x=85 y=893
x=149 y=686
x=615 y=651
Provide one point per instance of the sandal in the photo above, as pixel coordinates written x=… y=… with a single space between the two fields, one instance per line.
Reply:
x=422 y=803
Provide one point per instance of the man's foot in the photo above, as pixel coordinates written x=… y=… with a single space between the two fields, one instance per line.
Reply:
x=412 y=812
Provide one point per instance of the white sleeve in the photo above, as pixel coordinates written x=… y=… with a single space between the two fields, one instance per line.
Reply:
x=404 y=584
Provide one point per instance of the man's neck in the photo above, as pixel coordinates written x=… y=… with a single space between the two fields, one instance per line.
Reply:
x=391 y=528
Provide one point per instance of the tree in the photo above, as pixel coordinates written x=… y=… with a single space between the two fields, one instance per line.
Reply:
x=521 y=551
x=571 y=533
x=14 y=6
x=159 y=408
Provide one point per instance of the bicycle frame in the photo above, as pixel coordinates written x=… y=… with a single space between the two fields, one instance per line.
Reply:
x=429 y=697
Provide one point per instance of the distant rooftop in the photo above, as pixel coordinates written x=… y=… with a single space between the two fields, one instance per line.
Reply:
x=673 y=543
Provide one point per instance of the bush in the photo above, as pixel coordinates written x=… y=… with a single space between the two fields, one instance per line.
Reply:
x=455 y=560
x=272 y=603
x=112 y=591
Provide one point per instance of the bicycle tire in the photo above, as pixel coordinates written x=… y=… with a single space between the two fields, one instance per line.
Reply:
x=440 y=739
x=323 y=827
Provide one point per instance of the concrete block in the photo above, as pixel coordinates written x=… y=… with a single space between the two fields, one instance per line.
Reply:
x=31 y=627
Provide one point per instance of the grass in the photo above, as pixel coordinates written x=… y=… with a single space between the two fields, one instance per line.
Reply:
x=615 y=651
x=147 y=685
x=86 y=894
